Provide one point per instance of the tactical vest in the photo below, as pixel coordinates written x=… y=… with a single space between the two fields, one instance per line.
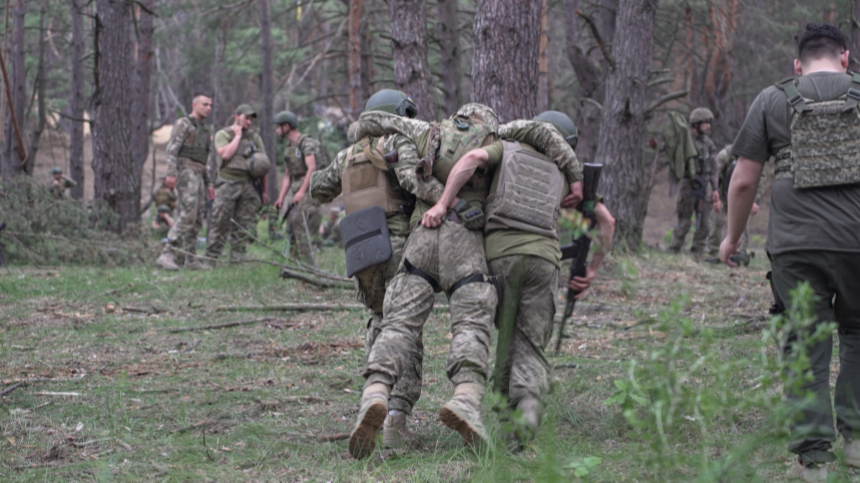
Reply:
x=365 y=184
x=526 y=192
x=196 y=146
x=825 y=139
x=458 y=135
x=238 y=168
x=699 y=166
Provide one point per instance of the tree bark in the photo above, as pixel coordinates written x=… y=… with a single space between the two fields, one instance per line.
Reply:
x=543 y=99
x=855 y=35
x=354 y=28
x=409 y=51
x=76 y=102
x=41 y=80
x=449 y=46
x=140 y=102
x=12 y=150
x=117 y=178
x=505 y=57
x=624 y=115
x=264 y=122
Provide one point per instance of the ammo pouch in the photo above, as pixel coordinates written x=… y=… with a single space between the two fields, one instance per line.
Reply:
x=527 y=193
x=365 y=182
x=365 y=239
x=825 y=139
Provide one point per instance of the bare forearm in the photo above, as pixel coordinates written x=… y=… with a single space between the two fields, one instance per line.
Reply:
x=605 y=232
x=310 y=161
x=460 y=174
x=741 y=196
x=227 y=152
x=285 y=185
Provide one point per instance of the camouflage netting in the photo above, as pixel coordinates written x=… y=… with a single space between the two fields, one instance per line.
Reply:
x=43 y=231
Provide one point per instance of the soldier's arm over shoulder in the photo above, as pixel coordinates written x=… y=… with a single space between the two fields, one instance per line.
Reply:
x=177 y=138
x=430 y=189
x=326 y=184
x=548 y=141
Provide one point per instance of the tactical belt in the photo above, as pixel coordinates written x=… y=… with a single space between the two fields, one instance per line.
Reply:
x=421 y=273
x=191 y=164
x=476 y=278
x=195 y=153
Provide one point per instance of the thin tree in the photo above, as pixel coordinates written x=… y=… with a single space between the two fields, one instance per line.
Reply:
x=451 y=54
x=265 y=124
x=505 y=57
x=41 y=81
x=409 y=50
x=354 y=48
x=76 y=101
x=14 y=152
x=140 y=106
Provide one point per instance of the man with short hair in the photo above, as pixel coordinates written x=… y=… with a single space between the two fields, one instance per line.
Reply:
x=813 y=233
x=60 y=183
x=187 y=154
x=309 y=156
x=242 y=183
x=695 y=196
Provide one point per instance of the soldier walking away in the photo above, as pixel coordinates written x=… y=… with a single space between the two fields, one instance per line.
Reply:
x=187 y=153
x=810 y=125
x=367 y=181
x=241 y=186
x=698 y=189
x=309 y=156
x=60 y=183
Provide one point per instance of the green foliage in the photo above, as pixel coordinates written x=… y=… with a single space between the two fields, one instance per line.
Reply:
x=582 y=466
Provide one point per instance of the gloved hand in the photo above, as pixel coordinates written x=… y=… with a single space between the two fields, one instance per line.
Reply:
x=472 y=217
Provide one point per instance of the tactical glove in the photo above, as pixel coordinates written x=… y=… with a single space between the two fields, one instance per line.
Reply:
x=472 y=218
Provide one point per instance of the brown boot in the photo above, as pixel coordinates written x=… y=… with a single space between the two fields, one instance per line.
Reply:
x=374 y=408
x=192 y=263
x=395 y=433
x=166 y=261
x=463 y=413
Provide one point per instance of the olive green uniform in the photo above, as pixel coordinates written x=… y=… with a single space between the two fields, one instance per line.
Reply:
x=58 y=188
x=304 y=218
x=236 y=199
x=813 y=237
x=689 y=190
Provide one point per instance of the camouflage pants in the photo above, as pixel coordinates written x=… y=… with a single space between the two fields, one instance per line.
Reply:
x=526 y=371
x=234 y=200
x=686 y=209
x=716 y=236
x=305 y=222
x=448 y=254
x=371 y=292
x=191 y=197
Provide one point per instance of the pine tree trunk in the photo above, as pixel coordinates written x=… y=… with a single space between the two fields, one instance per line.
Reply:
x=625 y=174
x=17 y=84
x=505 y=57
x=76 y=101
x=449 y=43
x=543 y=99
x=140 y=134
x=117 y=178
x=41 y=80
x=409 y=50
x=355 y=104
x=264 y=121
x=855 y=35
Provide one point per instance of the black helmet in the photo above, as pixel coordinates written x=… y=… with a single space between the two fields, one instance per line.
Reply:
x=285 y=117
x=563 y=123
x=392 y=101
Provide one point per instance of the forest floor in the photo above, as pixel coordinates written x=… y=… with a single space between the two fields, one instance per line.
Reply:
x=112 y=392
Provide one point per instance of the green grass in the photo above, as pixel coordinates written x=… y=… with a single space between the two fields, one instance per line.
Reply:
x=251 y=402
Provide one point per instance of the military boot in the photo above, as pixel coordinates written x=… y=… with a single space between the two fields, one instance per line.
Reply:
x=463 y=413
x=374 y=408
x=809 y=474
x=395 y=433
x=193 y=263
x=166 y=261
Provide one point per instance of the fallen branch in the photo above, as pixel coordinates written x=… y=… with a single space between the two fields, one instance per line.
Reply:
x=287 y=272
x=11 y=388
x=330 y=438
x=203 y=423
x=57 y=394
x=302 y=307
x=224 y=326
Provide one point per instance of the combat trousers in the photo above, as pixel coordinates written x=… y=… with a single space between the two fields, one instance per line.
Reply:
x=446 y=255
x=716 y=236
x=304 y=221
x=686 y=209
x=234 y=201
x=830 y=274
x=526 y=372
x=371 y=283
x=191 y=197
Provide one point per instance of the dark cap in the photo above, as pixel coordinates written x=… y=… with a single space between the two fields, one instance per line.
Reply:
x=246 y=109
x=57 y=170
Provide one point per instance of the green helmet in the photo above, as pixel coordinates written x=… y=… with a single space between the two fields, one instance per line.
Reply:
x=286 y=117
x=57 y=170
x=163 y=209
x=563 y=123
x=392 y=101
x=701 y=114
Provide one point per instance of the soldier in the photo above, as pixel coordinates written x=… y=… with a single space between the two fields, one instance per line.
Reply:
x=725 y=166
x=304 y=214
x=809 y=123
x=695 y=196
x=165 y=201
x=447 y=258
x=60 y=183
x=187 y=153
x=522 y=247
x=348 y=174
x=242 y=181
x=330 y=231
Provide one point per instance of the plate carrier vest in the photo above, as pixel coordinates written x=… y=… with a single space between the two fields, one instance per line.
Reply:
x=365 y=184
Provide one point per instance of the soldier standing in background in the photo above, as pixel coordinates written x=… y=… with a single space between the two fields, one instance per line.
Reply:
x=242 y=182
x=60 y=183
x=695 y=196
x=304 y=214
x=187 y=154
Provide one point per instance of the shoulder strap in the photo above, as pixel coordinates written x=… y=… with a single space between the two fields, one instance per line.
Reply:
x=795 y=100
x=373 y=155
x=853 y=93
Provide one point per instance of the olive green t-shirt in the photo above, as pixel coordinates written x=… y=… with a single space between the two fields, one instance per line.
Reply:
x=223 y=138
x=824 y=219
x=504 y=243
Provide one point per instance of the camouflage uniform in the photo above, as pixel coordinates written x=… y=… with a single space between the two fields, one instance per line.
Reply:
x=724 y=160
x=58 y=189
x=304 y=218
x=236 y=199
x=164 y=199
x=706 y=172
x=192 y=180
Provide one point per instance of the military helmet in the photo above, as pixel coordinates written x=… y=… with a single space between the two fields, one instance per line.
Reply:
x=563 y=123
x=286 y=117
x=392 y=101
x=57 y=170
x=701 y=114
x=483 y=112
x=258 y=165
x=163 y=209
